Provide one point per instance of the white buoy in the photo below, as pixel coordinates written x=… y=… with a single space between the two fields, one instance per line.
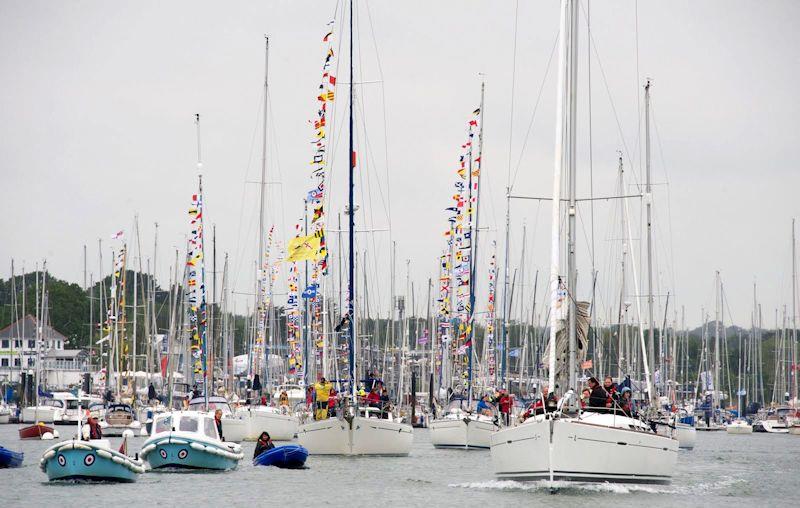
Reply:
x=127 y=433
x=56 y=434
x=47 y=436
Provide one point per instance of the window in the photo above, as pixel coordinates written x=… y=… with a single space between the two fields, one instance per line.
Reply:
x=31 y=344
x=163 y=424
x=17 y=343
x=4 y=344
x=188 y=424
x=210 y=428
x=4 y=362
x=17 y=362
x=31 y=361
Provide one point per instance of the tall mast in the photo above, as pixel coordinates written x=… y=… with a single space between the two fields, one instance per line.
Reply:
x=717 y=387
x=649 y=200
x=794 y=317
x=474 y=241
x=572 y=273
x=621 y=310
x=260 y=264
x=351 y=287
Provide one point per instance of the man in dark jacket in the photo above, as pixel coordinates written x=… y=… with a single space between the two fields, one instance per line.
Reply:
x=598 y=396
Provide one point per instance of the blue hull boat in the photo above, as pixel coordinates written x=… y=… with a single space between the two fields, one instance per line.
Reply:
x=10 y=458
x=89 y=461
x=288 y=457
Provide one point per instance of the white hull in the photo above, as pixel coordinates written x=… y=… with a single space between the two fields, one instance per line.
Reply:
x=280 y=426
x=44 y=414
x=794 y=430
x=360 y=436
x=464 y=431
x=774 y=427
x=4 y=418
x=596 y=447
x=117 y=430
x=234 y=429
x=685 y=434
x=739 y=427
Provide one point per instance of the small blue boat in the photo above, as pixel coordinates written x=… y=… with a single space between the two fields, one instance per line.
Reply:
x=189 y=440
x=9 y=458
x=288 y=457
x=89 y=461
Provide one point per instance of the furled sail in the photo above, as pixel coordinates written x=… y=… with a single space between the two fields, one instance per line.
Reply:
x=562 y=342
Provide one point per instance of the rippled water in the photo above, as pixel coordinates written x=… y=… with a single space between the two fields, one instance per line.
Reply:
x=757 y=470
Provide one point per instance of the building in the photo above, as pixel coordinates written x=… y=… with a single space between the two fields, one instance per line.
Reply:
x=18 y=353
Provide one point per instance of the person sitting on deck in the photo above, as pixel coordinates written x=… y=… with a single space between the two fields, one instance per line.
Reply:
x=598 y=396
x=484 y=408
x=374 y=398
x=585 y=394
x=263 y=444
x=625 y=402
x=611 y=390
x=283 y=399
x=384 y=403
x=332 y=398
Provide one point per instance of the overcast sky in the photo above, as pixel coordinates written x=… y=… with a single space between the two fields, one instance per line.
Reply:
x=96 y=125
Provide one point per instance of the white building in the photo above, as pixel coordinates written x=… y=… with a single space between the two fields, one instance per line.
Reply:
x=18 y=352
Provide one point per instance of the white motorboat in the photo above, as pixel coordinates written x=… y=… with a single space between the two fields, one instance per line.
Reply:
x=234 y=428
x=685 y=434
x=277 y=421
x=739 y=426
x=587 y=447
x=5 y=413
x=462 y=429
x=48 y=411
x=364 y=434
x=119 y=418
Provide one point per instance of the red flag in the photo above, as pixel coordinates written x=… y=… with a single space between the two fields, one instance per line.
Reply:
x=354 y=158
x=164 y=367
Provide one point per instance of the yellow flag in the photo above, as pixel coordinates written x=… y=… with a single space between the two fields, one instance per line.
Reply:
x=304 y=248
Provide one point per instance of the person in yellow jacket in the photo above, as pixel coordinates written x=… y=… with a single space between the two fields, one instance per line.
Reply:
x=323 y=391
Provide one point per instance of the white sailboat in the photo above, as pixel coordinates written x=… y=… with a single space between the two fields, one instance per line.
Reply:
x=355 y=430
x=567 y=444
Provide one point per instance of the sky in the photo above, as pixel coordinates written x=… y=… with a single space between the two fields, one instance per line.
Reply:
x=97 y=102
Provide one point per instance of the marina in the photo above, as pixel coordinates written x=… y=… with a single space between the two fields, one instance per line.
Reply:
x=542 y=288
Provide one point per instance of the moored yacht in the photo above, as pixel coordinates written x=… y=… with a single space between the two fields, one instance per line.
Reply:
x=459 y=428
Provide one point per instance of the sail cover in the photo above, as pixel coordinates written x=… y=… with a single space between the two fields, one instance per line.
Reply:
x=562 y=342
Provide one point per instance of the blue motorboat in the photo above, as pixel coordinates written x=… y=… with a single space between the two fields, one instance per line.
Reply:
x=189 y=440
x=287 y=457
x=10 y=458
x=89 y=461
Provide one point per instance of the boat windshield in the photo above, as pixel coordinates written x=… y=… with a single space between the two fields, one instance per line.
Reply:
x=188 y=424
x=53 y=403
x=163 y=424
x=73 y=404
x=212 y=406
x=209 y=428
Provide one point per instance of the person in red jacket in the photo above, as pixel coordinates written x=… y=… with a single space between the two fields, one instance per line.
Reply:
x=332 y=402
x=506 y=402
x=374 y=398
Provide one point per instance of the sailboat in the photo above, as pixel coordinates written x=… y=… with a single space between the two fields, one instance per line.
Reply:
x=566 y=443
x=356 y=430
x=461 y=425
x=40 y=415
x=257 y=417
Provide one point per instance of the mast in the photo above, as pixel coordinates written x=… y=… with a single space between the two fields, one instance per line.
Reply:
x=621 y=310
x=351 y=288
x=794 y=317
x=474 y=243
x=260 y=264
x=716 y=341
x=649 y=201
x=572 y=267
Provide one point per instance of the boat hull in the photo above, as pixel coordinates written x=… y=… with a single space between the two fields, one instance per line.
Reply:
x=180 y=451
x=574 y=450
x=739 y=428
x=794 y=430
x=356 y=436
x=9 y=458
x=78 y=460
x=281 y=427
x=467 y=432
x=35 y=431
x=44 y=414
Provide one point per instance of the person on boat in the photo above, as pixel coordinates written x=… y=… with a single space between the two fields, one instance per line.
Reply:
x=385 y=403
x=374 y=398
x=332 y=398
x=218 y=423
x=484 y=408
x=625 y=402
x=309 y=397
x=186 y=401
x=611 y=390
x=263 y=444
x=95 y=432
x=283 y=399
x=505 y=402
x=585 y=394
x=598 y=396
x=323 y=390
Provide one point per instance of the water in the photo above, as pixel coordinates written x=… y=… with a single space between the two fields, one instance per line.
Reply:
x=760 y=469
